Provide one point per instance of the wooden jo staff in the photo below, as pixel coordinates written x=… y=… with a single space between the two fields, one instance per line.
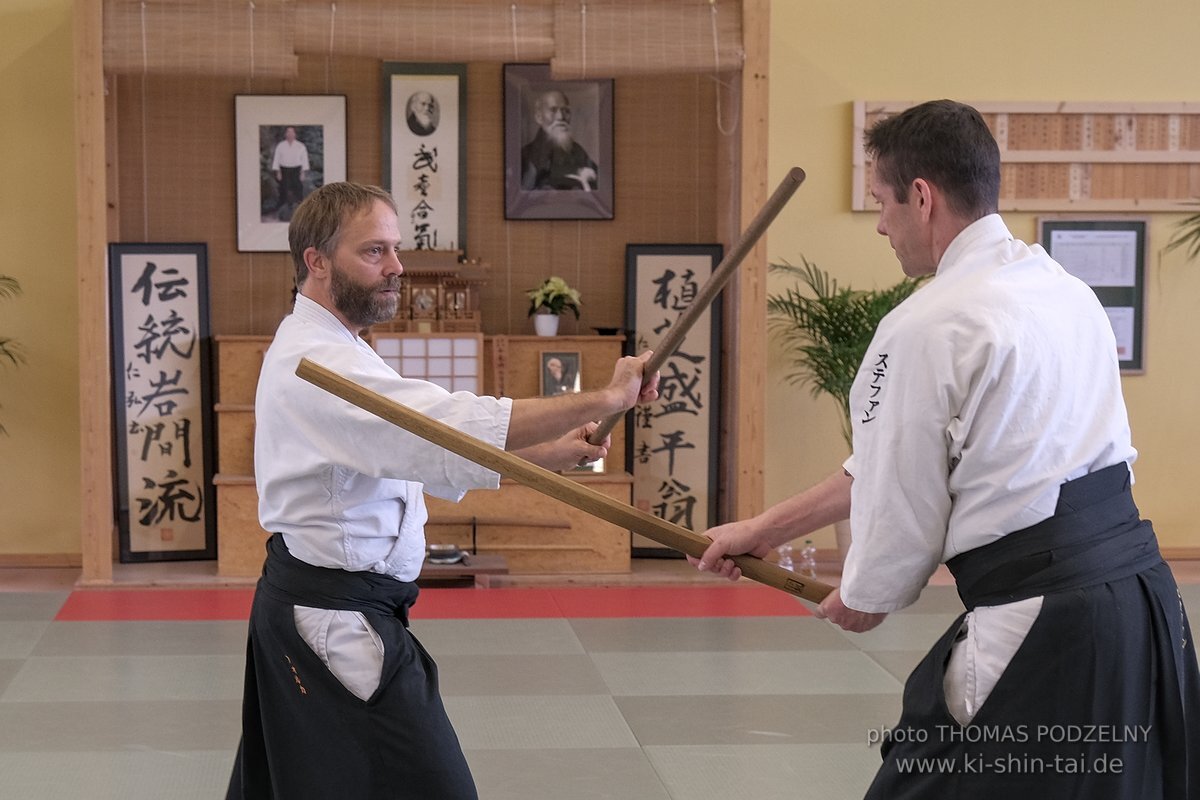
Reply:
x=551 y=483
x=713 y=286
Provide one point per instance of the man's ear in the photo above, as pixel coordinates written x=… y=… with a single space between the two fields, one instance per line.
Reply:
x=922 y=193
x=316 y=263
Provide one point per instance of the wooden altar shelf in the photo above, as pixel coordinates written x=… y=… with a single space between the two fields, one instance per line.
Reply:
x=475 y=569
x=1064 y=156
x=529 y=532
x=538 y=535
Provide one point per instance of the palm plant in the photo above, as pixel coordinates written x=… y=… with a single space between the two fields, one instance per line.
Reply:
x=10 y=348
x=1187 y=234
x=826 y=329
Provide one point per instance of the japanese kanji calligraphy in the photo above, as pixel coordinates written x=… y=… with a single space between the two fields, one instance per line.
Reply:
x=425 y=152
x=163 y=413
x=673 y=441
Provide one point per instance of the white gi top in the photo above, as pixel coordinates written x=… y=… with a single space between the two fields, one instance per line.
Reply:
x=342 y=485
x=290 y=154
x=979 y=396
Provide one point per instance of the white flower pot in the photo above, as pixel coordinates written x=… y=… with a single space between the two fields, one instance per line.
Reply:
x=545 y=324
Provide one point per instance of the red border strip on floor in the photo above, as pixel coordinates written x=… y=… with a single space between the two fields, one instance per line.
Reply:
x=93 y=605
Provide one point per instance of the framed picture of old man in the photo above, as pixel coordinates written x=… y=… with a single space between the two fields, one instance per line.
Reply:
x=558 y=145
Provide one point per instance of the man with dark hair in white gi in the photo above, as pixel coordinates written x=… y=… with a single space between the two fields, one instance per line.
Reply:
x=990 y=433
x=341 y=701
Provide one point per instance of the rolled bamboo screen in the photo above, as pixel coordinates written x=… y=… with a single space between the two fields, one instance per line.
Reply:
x=200 y=37
x=262 y=38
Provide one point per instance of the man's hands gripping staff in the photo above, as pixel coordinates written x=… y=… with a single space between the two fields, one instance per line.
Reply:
x=823 y=504
x=552 y=432
x=567 y=451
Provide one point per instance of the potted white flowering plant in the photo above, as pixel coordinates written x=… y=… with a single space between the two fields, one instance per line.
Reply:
x=550 y=300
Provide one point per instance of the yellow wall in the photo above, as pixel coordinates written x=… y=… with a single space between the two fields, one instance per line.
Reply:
x=39 y=459
x=826 y=55
x=823 y=56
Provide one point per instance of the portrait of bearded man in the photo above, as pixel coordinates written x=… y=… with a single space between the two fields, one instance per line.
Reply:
x=553 y=159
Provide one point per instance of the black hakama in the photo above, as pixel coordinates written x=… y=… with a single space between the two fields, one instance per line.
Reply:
x=304 y=735
x=1101 y=700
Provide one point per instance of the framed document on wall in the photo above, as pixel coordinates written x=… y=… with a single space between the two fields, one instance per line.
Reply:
x=162 y=403
x=1108 y=255
x=673 y=444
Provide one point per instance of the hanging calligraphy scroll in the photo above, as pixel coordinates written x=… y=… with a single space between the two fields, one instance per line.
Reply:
x=163 y=411
x=425 y=152
x=287 y=146
x=673 y=447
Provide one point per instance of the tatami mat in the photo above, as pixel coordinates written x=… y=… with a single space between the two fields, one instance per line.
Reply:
x=756 y=719
x=738 y=673
x=32 y=727
x=147 y=774
x=685 y=692
x=613 y=773
x=715 y=772
x=127 y=678
x=538 y=721
x=17 y=639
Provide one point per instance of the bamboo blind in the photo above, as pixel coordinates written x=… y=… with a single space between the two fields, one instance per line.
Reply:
x=629 y=37
x=262 y=38
x=434 y=30
x=664 y=174
x=1091 y=157
x=199 y=37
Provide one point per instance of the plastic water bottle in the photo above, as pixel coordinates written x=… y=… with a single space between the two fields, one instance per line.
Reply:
x=808 y=560
x=785 y=557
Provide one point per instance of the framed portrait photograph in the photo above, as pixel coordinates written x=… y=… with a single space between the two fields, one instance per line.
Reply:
x=558 y=145
x=287 y=145
x=162 y=401
x=425 y=152
x=560 y=372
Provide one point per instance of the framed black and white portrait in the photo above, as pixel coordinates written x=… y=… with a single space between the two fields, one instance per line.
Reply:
x=560 y=373
x=287 y=146
x=425 y=152
x=558 y=145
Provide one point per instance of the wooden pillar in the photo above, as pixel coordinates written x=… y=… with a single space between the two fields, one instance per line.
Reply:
x=95 y=390
x=743 y=175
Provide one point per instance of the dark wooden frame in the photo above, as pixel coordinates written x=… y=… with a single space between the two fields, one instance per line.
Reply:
x=592 y=126
x=127 y=374
x=445 y=81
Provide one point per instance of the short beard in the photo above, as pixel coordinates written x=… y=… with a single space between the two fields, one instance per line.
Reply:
x=363 y=305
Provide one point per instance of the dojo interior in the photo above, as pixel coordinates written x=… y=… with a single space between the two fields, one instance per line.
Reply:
x=589 y=665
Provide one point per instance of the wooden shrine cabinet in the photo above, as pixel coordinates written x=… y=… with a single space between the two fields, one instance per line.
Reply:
x=240 y=539
x=535 y=534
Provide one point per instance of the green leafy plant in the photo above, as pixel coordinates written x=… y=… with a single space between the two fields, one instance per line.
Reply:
x=553 y=297
x=1187 y=234
x=10 y=349
x=826 y=329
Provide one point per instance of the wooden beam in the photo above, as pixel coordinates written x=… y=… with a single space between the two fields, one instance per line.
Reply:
x=91 y=236
x=747 y=365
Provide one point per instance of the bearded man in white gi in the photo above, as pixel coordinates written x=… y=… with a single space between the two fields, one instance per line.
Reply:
x=990 y=434
x=341 y=701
